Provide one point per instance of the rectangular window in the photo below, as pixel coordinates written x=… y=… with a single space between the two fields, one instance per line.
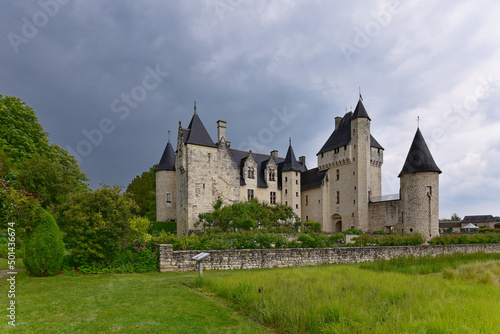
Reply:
x=272 y=197
x=296 y=206
x=338 y=174
x=272 y=175
x=297 y=194
x=307 y=200
x=169 y=198
x=286 y=179
x=429 y=191
x=251 y=173
x=338 y=197
x=250 y=194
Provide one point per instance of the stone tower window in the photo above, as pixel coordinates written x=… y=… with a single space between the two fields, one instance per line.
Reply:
x=168 y=197
x=296 y=206
x=429 y=191
x=296 y=181
x=338 y=174
x=297 y=194
x=286 y=179
x=338 y=197
x=307 y=200
x=251 y=173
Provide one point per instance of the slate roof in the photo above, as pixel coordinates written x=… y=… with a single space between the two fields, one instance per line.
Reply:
x=167 y=161
x=342 y=135
x=197 y=133
x=419 y=157
x=480 y=219
x=312 y=179
x=360 y=111
x=291 y=163
x=449 y=224
x=262 y=161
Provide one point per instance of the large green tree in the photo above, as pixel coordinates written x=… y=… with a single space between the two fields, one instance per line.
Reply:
x=31 y=163
x=143 y=190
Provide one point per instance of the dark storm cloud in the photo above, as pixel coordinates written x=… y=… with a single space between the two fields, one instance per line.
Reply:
x=119 y=75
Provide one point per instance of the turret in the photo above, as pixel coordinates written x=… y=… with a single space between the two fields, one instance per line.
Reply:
x=419 y=180
x=166 y=185
x=290 y=179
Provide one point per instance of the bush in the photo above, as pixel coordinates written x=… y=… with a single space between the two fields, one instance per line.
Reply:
x=95 y=225
x=138 y=229
x=44 y=248
x=168 y=227
x=489 y=238
x=388 y=240
x=312 y=226
x=353 y=231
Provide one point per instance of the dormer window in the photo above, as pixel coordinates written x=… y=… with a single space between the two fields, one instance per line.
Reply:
x=272 y=175
x=251 y=173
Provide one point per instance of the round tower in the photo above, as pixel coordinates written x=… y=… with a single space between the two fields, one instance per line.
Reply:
x=166 y=185
x=419 y=180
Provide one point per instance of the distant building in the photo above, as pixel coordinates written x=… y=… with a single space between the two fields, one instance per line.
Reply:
x=478 y=221
x=343 y=192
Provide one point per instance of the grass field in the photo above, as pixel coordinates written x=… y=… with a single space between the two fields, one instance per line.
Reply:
x=321 y=299
x=126 y=303
x=349 y=299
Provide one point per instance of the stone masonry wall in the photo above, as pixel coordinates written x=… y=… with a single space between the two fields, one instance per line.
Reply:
x=180 y=261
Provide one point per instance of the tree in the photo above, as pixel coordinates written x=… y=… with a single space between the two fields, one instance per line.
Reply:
x=455 y=218
x=96 y=223
x=143 y=190
x=20 y=133
x=31 y=163
x=43 y=247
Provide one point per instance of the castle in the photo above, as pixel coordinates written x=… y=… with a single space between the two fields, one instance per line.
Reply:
x=343 y=192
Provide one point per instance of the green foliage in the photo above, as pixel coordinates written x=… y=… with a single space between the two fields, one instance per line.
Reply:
x=489 y=230
x=143 y=190
x=312 y=226
x=138 y=229
x=44 y=248
x=20 y=133
x=353 y=231
x=250 y=215
x=484 y=273
x=379 y=233
x=95 y=224
x=169 y=227
x=479 y=238
x=19 y=207
x=388 y=240
x=30 y=163
x=255 y=239
x=455 y=218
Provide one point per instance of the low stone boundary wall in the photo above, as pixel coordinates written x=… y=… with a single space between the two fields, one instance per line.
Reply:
x=179 y=261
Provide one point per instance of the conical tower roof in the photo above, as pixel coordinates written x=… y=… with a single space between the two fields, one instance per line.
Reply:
x=291 y=163
x=198 y=134
x=419 y=157
x=360 y=111
x=167 y=161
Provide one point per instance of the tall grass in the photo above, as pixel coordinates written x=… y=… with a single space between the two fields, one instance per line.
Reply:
x=347 y=299
x=486 y=273
x=428 y=264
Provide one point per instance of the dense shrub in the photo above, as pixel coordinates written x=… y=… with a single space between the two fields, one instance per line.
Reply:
x=169 y=227
x=95 y=225
x=138 y=229
x=479 y=238
x=250 y=215
x=388 y=240
x=44 y=248
x=353 y=231
x=312 y=226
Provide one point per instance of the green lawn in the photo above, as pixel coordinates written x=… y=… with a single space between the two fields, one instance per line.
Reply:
x=318 y=299
x=135 y=303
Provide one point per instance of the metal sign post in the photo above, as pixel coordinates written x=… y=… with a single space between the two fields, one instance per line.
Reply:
x=199 y=258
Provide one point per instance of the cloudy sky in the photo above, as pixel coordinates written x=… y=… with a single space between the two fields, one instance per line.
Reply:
x=108 y=79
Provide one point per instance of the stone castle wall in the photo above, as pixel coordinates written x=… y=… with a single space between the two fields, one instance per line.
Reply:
x=180 y=261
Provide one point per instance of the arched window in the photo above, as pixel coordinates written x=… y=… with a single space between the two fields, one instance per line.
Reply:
x=169 y=197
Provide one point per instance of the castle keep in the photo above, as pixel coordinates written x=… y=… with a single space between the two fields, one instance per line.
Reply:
x=343 y=192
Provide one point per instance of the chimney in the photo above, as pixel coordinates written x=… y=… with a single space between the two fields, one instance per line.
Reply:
x=274 y=153
x=221 y=130
x=302 y=160
x=338 y=119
